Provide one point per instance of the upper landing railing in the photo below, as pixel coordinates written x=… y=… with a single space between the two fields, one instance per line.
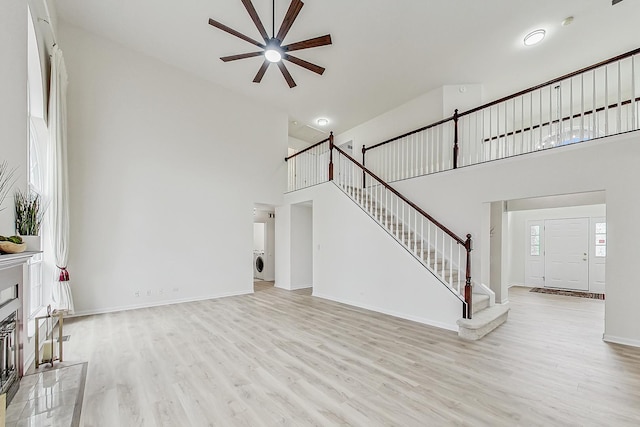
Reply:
x=597 y=101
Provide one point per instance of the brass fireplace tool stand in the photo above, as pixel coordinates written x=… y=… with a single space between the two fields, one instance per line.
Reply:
x=48 y=349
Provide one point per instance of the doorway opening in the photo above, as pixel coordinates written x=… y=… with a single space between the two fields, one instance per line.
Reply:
x=264 y=233
x=301 y=246
x=552 y=252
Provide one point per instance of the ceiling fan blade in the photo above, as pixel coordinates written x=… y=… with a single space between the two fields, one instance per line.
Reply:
x=261 y=71
x=304 y=64
x=241 y=56
x=235 y=33
x=292 y=13
x=256 y=19
x=306 y=44
x=286 y=74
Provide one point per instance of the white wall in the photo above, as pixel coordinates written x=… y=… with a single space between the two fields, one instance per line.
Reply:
x=297 y=144
x=269 y=250
x=517 y=240
x=414 y=114
x=258 y=237
x=462 y=97
x=13 y=119
x=301 y=246
x=13 y=100
x=283 y=247
x=356 y=262
x=164 y=171
x=421 y=111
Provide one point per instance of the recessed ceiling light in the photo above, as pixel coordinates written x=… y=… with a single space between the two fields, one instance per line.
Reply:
x=322 y=122
x=534 y=37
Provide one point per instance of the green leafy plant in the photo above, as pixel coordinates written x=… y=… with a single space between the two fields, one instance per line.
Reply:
x=7 y=179
x=29 y=212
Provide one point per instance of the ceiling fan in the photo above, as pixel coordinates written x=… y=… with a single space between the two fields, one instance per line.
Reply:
x=272 y=48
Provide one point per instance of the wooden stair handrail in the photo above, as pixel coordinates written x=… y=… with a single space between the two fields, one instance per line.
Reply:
x=432 y=125
x=407 y=201
x=286 y=159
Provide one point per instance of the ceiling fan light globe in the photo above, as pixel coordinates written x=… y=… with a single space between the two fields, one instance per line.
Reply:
x=273 y=55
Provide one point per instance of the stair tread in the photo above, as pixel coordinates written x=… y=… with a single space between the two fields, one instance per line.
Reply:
x=484 y=317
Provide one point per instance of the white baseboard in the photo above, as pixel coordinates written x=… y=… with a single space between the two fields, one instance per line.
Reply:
x=620 y=340
x=441 y=325
x=156 y=304
x=294 y=288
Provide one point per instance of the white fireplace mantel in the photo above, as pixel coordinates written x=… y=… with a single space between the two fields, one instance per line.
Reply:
x=12 y=260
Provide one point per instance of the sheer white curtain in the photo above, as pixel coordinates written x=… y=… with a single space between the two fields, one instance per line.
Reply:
x=59 y=209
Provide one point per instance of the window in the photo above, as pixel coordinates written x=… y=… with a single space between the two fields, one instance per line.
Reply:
x=601 y=239
x=534 y=241
x=38 y=141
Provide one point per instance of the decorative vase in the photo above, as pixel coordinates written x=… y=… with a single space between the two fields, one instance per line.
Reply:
x=34 y=243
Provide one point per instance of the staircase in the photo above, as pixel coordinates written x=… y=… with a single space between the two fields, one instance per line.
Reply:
x=485 y=316
x=444 y=254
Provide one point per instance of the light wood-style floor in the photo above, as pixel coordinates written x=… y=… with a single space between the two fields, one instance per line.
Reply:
x=286 y=358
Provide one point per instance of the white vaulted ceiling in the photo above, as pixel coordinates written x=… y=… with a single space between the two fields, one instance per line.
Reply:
x=384 y=53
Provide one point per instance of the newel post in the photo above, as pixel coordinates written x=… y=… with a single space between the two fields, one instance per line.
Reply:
x=467 y=287
x=455 y=139
x=331 y=156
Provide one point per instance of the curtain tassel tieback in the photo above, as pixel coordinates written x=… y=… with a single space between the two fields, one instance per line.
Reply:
x=64 y=274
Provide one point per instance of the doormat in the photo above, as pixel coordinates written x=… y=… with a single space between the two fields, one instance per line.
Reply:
x=568 y=293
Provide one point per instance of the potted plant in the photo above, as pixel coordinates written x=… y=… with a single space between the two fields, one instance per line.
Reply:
x=29 y=215
x=7 y=180
x=11 y=244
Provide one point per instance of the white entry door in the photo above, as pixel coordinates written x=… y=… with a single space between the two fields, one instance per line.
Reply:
x=534 y=265
x=567 y=253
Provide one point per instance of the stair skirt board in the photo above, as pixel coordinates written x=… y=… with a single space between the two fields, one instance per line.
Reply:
x=441 y=325
x=404 y=245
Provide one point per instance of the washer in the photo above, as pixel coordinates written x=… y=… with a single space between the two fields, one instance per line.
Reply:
x=258 y=265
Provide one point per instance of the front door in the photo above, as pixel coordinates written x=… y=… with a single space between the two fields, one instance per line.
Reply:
x=567 y=253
